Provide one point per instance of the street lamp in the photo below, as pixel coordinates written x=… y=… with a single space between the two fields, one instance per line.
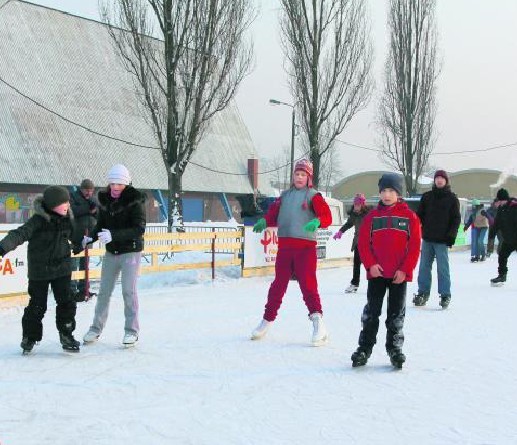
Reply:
x=278 y=102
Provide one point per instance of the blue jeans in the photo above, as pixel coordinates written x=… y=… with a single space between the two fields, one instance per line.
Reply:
x=431 y=250
x=477 y=246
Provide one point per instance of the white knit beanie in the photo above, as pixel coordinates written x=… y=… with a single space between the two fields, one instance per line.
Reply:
x=119 y=174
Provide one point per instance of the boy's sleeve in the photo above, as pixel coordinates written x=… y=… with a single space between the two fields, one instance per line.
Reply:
x=414 y=242
x=18 y=236
x=365 y=251
x=322 y=210
x=271 y=216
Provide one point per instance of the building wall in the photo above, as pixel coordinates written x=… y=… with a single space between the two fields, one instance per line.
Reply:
x=473 y=183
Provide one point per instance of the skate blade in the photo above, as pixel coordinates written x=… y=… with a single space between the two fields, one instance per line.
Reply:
x=496 y=284
x=128 y=345
x=321 y=342
x=24 y=352
x=71 y=351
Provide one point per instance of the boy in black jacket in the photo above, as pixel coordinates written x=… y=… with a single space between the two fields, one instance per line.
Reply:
x=48 y=232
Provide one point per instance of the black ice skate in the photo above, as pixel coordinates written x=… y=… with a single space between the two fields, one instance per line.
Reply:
x=498 y=281
x=474 y=259
x=360 y=357
x=420 y=299
x=69 y=343
x=397 y=358
x=27 y=344
x=445 y=300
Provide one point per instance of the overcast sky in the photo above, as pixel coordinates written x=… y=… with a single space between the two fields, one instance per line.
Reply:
x=477 y=88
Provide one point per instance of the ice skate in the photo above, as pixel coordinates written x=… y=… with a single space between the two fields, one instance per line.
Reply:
x=474 y=259
x=90 y=337
x=27 y=345
x=351 y=289
x=260 y=330
x=445 y=300
x=397 y=358
x=320 y=335
x=69 y=343
x=360 y=357
x=420 y=299
x=129 y=340
x=498 y=281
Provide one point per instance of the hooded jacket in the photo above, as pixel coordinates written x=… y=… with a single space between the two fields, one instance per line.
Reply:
x=124 y=218
x=390 y=236
x=48 y=234
x=439 y=213
x=506 y=221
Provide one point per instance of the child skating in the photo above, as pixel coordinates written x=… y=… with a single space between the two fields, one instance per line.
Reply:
x=389 y=245
x=297 y=213
x=48 y=232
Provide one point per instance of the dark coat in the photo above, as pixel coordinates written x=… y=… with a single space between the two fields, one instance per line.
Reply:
x=48 y=234
x=124 y=218
x=355 y=220
x=506 y=221
x=439 y=213
x=84 y=219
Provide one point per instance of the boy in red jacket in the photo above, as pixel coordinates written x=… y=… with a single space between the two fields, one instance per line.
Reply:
x=297 y=213
x=389 y=246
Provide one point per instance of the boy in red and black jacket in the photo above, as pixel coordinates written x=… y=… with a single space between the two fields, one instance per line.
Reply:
x=297 y=213
x=389 y=245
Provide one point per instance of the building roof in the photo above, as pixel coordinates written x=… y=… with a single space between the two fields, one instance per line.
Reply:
x=67 y=63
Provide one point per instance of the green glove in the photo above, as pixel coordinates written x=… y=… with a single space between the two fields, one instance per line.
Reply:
x=312 y=225
x=260 y=225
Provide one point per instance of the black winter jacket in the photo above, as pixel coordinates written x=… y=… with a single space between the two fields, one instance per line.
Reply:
x=506 y=221
x=48 y=234
x=124 y=218
x=355 y=219
x=439 y=213
x=84 y=220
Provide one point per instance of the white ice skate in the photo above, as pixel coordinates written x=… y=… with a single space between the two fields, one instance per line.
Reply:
x=351 y=289
x=320 y=335
x=129 y=340
x=260 y=330
x=90 y=337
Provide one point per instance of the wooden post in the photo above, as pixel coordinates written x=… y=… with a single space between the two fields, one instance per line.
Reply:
x=213 y=254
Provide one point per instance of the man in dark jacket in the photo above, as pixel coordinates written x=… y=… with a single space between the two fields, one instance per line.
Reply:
x=439 y=213
x=84 y=208
x=506 y=224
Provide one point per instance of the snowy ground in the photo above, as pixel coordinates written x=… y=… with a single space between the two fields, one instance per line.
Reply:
x=195 y=378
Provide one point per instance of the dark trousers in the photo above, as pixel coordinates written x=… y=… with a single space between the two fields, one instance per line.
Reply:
x=35 y=311
x=303 y=263
x=395 y=317
x=356 y=277
x=504 y=253
x=78 y=285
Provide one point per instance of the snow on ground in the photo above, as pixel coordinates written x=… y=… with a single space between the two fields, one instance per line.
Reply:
x=196 y=378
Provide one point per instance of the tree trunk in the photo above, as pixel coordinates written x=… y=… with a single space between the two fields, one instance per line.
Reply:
x=175 y=205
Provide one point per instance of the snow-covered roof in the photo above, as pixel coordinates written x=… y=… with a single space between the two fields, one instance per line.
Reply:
x=68 y=64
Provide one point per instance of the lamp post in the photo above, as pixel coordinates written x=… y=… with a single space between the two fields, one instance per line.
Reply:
x=278 y=102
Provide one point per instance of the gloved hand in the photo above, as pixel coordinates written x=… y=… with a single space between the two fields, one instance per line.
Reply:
x=86 y=240
x=450 y=241
x=105 y=236
x=465 y=228
x=312 y=225
x=338 y=234
x=260 y=225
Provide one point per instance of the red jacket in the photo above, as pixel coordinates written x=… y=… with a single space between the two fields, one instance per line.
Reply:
x=390 y=236
x=321 y=209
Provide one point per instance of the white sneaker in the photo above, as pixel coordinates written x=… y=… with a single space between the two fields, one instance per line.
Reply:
x=319 y=335
x=91 y=337
x=260 y=330
x=351 y=288
x=130 y=338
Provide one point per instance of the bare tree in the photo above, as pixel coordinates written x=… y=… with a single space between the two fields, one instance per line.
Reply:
x=329 y=53
x=408 y=106
x=187 y=58
x=330 y=172
x=280 y=167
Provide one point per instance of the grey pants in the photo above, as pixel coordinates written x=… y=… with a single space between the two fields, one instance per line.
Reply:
x=128 y=264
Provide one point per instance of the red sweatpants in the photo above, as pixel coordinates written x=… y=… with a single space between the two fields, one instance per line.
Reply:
x=303 y=263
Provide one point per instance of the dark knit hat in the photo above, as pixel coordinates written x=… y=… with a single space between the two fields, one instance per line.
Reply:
x=502 y=195
x=54 y=196
x=443 y=174
x=392 y=181
x=87 y=184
